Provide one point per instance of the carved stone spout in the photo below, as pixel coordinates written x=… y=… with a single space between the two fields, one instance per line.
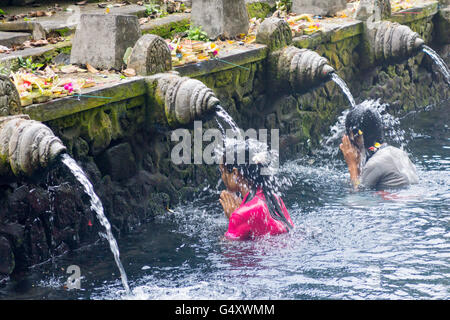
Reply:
x=184 y=99
x=299 y=69
x=290 y=68
x=26 y=146
x=392 y=41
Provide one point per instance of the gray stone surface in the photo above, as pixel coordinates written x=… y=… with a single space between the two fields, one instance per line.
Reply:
x=220 y=17
x=9 y=39
x=319 y=7
x=35 y=28
x=9 y=97
x=275 y=33
x=376 y=10
x=102 y=40
x=150 y=55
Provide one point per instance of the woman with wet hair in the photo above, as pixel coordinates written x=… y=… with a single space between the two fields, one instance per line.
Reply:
x=373 y=163
x=260 y=211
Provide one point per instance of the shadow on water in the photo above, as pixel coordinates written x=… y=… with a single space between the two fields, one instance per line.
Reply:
x=346 y=245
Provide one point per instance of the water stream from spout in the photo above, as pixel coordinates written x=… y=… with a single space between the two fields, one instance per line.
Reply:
x=97 y=206
x=439 y=61
x=341 y=83
x=222 y=114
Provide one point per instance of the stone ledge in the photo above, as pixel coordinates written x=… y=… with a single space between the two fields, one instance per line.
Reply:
x=10 y=39
x=237 y=57
x=415 y=13
x=334 y=32
x=59 y=108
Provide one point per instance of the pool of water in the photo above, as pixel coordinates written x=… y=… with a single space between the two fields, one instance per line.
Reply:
x=346 y=245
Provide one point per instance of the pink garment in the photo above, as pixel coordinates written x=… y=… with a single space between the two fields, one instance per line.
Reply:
x=253 y=219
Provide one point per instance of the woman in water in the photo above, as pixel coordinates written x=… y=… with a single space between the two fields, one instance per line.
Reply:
x=371 y=162
x=260 y=212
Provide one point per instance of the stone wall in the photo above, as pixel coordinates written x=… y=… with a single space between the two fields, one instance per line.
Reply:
x=124 y=146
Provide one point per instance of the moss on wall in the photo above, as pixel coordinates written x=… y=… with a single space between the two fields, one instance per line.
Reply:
x=167 y=31
x=259 y=10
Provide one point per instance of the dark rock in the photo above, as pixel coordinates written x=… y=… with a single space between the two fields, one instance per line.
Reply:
x=118 y=162
x=7 y=256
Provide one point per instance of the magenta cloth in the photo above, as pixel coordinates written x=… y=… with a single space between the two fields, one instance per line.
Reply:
x=253 y=219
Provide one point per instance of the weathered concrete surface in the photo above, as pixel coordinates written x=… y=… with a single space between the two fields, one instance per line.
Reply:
x=241 y=57
x=102 y=40
x=150 y=55
x=36 y=29
x=10 y=39
x=127 y=90
x=220 y=17
x=375 y=10
x=318 y=7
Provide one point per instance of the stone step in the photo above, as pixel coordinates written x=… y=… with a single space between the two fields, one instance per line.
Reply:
x=9 y=39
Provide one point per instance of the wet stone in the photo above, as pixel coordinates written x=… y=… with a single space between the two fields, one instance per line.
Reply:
x=7 y=257
x=118 y=162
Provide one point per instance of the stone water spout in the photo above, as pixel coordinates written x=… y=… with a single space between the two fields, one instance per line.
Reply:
x=26 y=146
x=386 y=40
x=184 y=99
x=290 y=67
x=299 y=69
x=392 y=41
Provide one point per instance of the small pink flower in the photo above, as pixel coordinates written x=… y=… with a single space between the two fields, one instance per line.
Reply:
x=68 y=87
x=215 y=53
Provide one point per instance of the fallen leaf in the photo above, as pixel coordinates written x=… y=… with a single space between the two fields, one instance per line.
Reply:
x=69 y=69
x=129 y=72
x=91 y=69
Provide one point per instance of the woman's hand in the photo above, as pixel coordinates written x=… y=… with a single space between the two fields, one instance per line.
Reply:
x=350 y=152
x=230 y=202
x=352 y=156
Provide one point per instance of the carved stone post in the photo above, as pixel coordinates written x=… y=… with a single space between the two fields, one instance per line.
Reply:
x=9 y=97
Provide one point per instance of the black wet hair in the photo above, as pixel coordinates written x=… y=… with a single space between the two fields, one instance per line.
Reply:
x=251 y=172
x=368 y=121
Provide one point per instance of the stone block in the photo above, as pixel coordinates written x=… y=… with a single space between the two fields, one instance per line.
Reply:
x=102 y=40
x=318 y=7
x=220 y=17
x=37 y=30
x=150 y=55
x=9 y=39
x=118 y=162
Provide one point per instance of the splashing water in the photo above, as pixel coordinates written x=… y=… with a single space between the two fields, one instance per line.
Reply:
x=341 y=83
x=97 y=206
x=439 y=61
x=222 y=114
x=392 y=131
